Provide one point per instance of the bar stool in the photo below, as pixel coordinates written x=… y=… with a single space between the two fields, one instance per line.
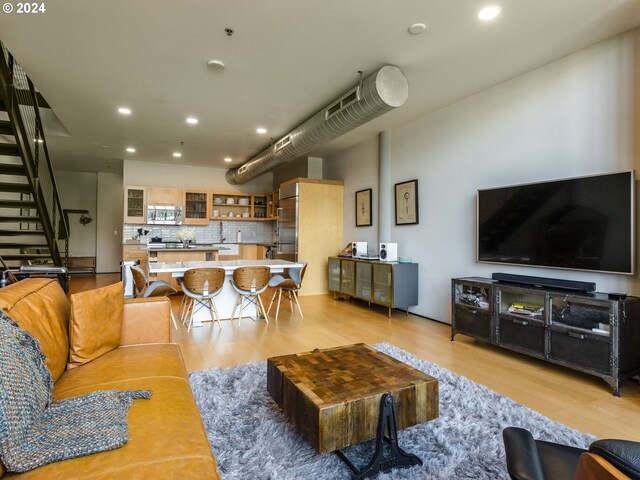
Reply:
x=290 y=286
x=158 y=288
x=194 y=282
x=250 y=282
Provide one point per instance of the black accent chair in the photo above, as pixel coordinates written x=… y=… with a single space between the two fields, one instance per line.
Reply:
x=529 y=459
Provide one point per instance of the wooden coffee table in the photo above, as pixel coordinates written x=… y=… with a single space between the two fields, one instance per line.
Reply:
x=337 y=397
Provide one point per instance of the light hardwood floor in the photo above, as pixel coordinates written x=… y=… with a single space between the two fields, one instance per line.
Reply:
x=581 y=401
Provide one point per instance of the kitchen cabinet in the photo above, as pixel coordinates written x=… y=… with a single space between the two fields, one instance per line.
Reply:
x=136 y=252
x=392 y=285
x=259 y=202
x=196 y=207
x=272 y=205
x=165 y=196
x=252 y=252
x=310 y=227
x=135 y=205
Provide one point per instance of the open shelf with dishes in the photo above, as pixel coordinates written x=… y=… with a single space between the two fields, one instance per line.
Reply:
x=239 y=206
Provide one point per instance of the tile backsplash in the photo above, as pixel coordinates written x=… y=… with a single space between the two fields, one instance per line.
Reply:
x=252 y=232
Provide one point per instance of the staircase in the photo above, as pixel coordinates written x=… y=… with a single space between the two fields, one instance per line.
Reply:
x=31 y=217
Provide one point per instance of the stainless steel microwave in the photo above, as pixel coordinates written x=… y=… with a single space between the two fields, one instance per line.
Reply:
x=164 y=215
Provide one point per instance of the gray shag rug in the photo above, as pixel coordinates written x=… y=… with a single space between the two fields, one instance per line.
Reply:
x=252 y=439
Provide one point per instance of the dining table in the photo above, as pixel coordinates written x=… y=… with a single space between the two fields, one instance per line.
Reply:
x=226 y=299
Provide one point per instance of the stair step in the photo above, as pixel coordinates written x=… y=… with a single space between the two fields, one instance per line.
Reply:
x=12 y=169
x=25 y=256
x=15 y=187
x=5 y=127
x=16 y=233
x=17 y=204
x=10 y=149
x=13 y=246
x=19 y=219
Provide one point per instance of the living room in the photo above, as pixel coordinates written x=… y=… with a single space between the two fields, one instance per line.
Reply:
x=571 y=116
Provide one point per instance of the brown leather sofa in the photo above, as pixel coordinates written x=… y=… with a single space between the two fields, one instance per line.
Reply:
x=166 y=435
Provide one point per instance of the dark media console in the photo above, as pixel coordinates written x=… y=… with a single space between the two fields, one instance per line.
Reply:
x=595 y=333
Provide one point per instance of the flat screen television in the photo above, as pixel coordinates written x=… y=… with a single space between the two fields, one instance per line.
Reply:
x=584 y=223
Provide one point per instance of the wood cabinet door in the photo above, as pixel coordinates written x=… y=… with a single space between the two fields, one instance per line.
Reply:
x=197 y=207
x=165 y=196
x=135 y=205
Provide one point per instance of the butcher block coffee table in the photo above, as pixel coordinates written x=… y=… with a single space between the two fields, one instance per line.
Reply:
x=342 y=396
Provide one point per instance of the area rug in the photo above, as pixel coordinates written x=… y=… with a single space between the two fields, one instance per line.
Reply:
x=252 y=439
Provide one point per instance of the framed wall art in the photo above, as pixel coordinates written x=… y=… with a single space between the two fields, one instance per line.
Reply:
x=363 y=208
x=407 y=203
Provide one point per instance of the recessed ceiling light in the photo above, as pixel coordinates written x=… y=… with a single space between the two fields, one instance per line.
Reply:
x=417 y=28
x=228 y=160
x=131 y=150
x=216 y=65
x=177 y=154
x=489 y=13
x=261 y=130
x=192 y=120
x=124 y=111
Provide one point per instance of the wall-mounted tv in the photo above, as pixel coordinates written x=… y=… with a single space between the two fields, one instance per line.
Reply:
x=584 y=223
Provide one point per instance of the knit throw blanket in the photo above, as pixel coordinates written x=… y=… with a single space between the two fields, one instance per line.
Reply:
x=35 y=430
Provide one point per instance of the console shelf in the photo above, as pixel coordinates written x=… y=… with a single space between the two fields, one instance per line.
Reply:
x=589 y=332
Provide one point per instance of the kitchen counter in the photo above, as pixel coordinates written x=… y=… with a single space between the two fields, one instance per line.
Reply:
x=191 y=248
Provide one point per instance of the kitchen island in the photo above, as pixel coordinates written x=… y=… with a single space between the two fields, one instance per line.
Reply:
x=226 y=299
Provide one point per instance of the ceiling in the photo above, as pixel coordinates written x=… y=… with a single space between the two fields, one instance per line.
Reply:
x=286 y=60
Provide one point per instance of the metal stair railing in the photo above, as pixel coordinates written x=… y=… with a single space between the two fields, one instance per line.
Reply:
x=21 y=103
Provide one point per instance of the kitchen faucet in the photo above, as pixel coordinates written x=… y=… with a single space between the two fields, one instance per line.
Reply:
x=222 y=238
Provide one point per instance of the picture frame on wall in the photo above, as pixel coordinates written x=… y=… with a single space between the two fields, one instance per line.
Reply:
x=406 y=201
x=363 y=208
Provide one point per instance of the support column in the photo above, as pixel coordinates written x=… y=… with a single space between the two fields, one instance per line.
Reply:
x=385 y=199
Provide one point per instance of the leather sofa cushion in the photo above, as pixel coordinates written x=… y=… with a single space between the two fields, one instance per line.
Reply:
x=40 y=306
x=95 y=326
x=166 y=435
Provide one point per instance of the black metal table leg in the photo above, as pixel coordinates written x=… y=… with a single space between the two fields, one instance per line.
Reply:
x=387 y=454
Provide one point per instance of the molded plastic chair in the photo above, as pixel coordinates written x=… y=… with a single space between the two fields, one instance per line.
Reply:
x=250 y=282
x=529 y=459
x=290 y=286
x=158 y=288
x=193 y=285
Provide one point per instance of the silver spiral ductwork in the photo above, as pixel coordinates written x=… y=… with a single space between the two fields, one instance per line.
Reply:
x=380 y=92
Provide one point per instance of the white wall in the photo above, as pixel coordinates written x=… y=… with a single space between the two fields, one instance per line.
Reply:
x=78 y=190
x=186 y=176
x=358 y=167
x=110 y=200
x=572 y=117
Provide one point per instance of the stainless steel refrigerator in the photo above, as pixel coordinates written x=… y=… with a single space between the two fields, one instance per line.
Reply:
x=287 y=224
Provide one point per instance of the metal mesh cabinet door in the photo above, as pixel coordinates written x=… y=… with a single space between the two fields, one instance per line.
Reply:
x=363 y=280
x=383 y=284
x=347 y=277
x=334 y=274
